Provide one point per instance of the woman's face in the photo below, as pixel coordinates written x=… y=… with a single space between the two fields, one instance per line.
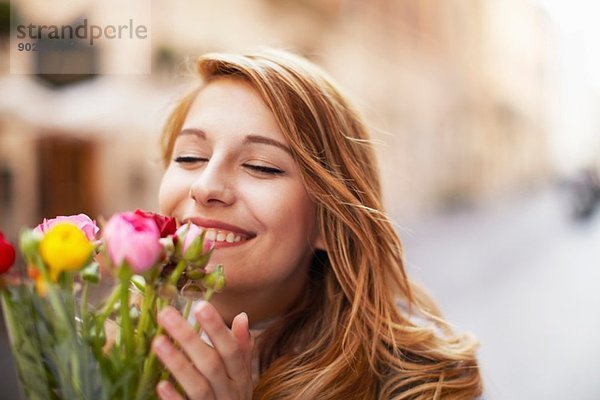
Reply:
x=232 y=173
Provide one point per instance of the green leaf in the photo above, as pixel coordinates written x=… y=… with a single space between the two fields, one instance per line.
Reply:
x=19 y=315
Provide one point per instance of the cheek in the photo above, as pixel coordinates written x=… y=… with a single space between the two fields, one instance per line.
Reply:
x=172 y=187
x=290 y=212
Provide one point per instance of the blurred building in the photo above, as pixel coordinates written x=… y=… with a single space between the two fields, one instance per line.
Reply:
x=456 y=93
x=461 y=89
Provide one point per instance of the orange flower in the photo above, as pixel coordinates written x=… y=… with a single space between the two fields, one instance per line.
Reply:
x=33 y=272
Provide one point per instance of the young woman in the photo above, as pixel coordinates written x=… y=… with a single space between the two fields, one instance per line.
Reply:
x=273 y=161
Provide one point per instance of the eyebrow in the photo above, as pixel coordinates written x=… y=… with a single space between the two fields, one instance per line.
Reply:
x=247 y=140
x=192 y=131
x=268 y=141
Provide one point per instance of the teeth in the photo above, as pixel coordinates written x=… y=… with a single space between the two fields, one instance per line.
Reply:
x=222 y=236
x=211 y=235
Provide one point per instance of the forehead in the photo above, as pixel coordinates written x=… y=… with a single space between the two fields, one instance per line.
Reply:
x=230 y=105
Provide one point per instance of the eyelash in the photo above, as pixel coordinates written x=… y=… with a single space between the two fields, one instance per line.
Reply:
x=264 y=170
x=189 y=159
x=258 y=168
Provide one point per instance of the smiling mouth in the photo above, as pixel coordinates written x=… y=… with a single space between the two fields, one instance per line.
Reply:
x=220 y=233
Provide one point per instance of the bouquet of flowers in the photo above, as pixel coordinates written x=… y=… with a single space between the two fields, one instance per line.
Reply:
x=64 y=347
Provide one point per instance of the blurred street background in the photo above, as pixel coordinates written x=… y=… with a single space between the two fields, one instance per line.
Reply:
x=485 y=115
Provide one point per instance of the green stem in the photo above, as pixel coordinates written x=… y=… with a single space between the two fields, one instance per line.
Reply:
x=187 y=308
x=103 y=316
x=149 y=371
x=109 y=305
x=209 y=293
x=126 y=325
x=83 y=313
x=125 y=275
x=84 y=333
x=148 y=299
x=176 y=274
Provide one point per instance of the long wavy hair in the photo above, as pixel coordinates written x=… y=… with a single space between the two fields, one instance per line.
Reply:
x=362 y=329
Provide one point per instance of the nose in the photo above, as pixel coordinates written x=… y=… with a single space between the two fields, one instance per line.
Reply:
x=213 y=187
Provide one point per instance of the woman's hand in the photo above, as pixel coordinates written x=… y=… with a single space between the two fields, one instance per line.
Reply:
x=205 y=372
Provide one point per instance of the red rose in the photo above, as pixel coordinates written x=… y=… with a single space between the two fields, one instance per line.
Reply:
x=7 y=254
x=166 y=225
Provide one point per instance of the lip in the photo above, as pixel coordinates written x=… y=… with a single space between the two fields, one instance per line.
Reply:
x=215 y=224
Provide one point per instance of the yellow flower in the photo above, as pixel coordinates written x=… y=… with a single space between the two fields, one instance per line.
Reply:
x=65 y=248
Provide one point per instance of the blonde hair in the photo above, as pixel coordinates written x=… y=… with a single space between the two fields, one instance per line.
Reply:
x=353 y=334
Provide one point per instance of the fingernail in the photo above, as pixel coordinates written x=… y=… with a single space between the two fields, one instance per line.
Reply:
x=245 y=316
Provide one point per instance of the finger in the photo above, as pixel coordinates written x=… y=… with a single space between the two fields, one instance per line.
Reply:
x=195 y=385
x=241 y=330
x=204 y=357
x=166 y=391
x=223 y=339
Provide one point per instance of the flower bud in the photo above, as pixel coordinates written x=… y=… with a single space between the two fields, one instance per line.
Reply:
x=215 y=280
x=97 y=336
x=191 y=243
x=134 y=239
x=91 y=273
x=29 y=243
x=194 y=274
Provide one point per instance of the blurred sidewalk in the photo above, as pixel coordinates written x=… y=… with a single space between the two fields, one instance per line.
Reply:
x=525 y=279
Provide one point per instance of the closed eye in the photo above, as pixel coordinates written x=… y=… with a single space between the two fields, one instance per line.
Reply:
x=264 y=170
x=189 y=159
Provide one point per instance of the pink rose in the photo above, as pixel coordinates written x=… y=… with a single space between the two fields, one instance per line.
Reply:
x=82 y=221
x=133 y=238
